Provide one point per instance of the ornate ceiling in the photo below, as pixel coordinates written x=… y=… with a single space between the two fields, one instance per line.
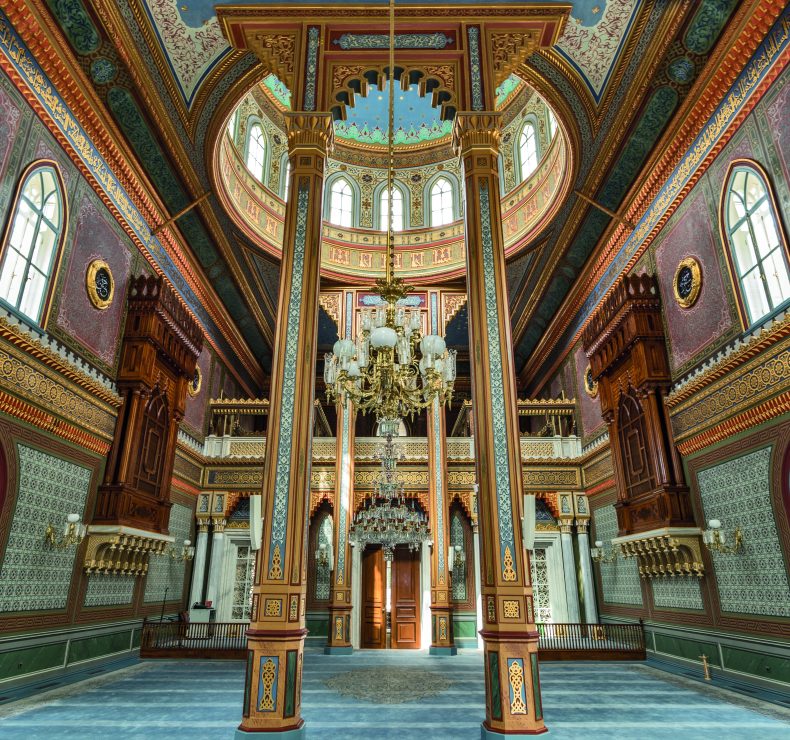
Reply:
x=160 y=71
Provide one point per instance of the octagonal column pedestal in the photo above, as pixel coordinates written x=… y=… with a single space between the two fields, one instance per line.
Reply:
x=510 y=638
x=442 y=642
x=272 y=701
x=339 y=639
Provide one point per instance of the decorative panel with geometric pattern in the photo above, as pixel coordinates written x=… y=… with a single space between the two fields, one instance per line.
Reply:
x=459 y=567
x=322 y=572
x=163 y=571
x=677 y=593
x=540 y=585
x=109 y=590
x=620 y=579
x=738 y=492
x=34 y=576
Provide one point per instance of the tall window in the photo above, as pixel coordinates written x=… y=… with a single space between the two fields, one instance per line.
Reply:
x=458 y=540
x=286 y=179
x=341 y=203
x=552 y=125
x=256 y=151
x=540 y=585
x=33 y=243
x=243 y=583
x=232 y=124
x=756 y=245
x=397 y=209
x=442 y=211
x=528 y=151
x=323 y=570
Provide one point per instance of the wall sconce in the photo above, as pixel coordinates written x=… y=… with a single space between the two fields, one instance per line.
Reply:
x=455 y=557
x=187 y=552
x=73 y=533
x=323 y=556
x=599 y=556
x=716 y=541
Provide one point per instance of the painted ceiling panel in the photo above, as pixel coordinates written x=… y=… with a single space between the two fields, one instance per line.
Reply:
x=192 y=42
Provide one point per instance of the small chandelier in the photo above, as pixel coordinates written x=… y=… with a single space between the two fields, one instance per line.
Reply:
x=392 y=369
x=387 y=517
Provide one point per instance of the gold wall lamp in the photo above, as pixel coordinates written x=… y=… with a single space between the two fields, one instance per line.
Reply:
x=73 y=533
x=716 y=541
x=599 y=556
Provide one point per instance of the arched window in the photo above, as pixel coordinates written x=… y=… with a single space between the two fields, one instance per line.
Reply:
x=397 y=209
x=458 y=540
x=442 y=210
x=256 y=151
x=286 y=178
x=528 y=151
x=341 y=203
x=323 y=569
x=232 y=124
x=757 y=250
x=32 y=242
x=552 y=125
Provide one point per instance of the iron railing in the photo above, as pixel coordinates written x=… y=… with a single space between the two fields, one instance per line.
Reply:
x=563 y=641
x=573 y=641
x=209 y=640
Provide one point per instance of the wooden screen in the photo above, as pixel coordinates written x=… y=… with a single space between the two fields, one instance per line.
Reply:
x=639 y=475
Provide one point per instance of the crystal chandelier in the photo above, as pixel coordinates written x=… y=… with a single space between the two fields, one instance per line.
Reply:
x=392 y=369
x=387 y=517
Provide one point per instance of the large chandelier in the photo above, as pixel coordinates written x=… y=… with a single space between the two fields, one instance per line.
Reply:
x=392 y=369
x=387 y=517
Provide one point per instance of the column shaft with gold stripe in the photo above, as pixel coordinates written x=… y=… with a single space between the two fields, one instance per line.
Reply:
x=513 y=704
x=277 y=630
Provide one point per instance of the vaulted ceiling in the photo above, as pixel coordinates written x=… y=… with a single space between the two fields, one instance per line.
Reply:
x=621 y=71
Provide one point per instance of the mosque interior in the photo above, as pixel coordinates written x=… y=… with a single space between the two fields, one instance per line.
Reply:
x=395 y=369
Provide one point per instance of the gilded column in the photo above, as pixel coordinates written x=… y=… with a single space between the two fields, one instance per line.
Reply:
x=513 y=703
x=276 y=635
x=339 y=640
x=442 y=642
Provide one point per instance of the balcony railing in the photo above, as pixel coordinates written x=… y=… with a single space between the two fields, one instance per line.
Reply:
x=228 y=640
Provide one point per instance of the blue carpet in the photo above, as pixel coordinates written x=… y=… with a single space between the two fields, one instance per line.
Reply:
x=202 y=699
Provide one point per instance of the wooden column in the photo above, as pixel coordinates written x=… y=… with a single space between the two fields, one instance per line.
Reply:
x=339 y=640
x=277 y=630
x=442 y=642
x=513 y=704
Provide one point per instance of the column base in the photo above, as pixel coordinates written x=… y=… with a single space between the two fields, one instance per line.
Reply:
x=442 y=651
x=298 y=734
x=338 y=650
x=486 y=734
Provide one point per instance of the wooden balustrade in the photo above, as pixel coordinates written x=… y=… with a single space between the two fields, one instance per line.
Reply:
x=227 y=640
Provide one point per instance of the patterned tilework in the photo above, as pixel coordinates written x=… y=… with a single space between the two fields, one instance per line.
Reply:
x=677 y=593
x=738 y=493
x=34 y=576
x=109 y=590
x=620 y=579
x=163 y=571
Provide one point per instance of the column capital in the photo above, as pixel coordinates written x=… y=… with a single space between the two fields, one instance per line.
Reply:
x=219 y=524
x=582 y=525
x=566 y=526
x=308 y=130
x=476 y=130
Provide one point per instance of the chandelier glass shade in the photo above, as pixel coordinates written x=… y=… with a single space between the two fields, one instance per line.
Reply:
x=391 y=369
x=387 y=517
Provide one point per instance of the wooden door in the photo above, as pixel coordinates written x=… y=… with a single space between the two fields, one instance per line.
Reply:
x=406 y=599
x=374 y=584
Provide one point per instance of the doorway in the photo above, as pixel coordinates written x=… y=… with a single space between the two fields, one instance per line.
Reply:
x=390 y=599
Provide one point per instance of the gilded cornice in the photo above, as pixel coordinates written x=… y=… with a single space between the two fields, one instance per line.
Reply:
x=608 y=149
x=38 y=388
x=47 y=45
x=738 y=44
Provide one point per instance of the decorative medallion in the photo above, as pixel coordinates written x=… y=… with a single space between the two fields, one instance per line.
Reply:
x=197 y=381
x=688 y=282
x=103 y=71
x=590 y=385
x=100 y=284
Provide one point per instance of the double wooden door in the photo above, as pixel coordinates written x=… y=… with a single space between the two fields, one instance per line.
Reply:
x=405 y=585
